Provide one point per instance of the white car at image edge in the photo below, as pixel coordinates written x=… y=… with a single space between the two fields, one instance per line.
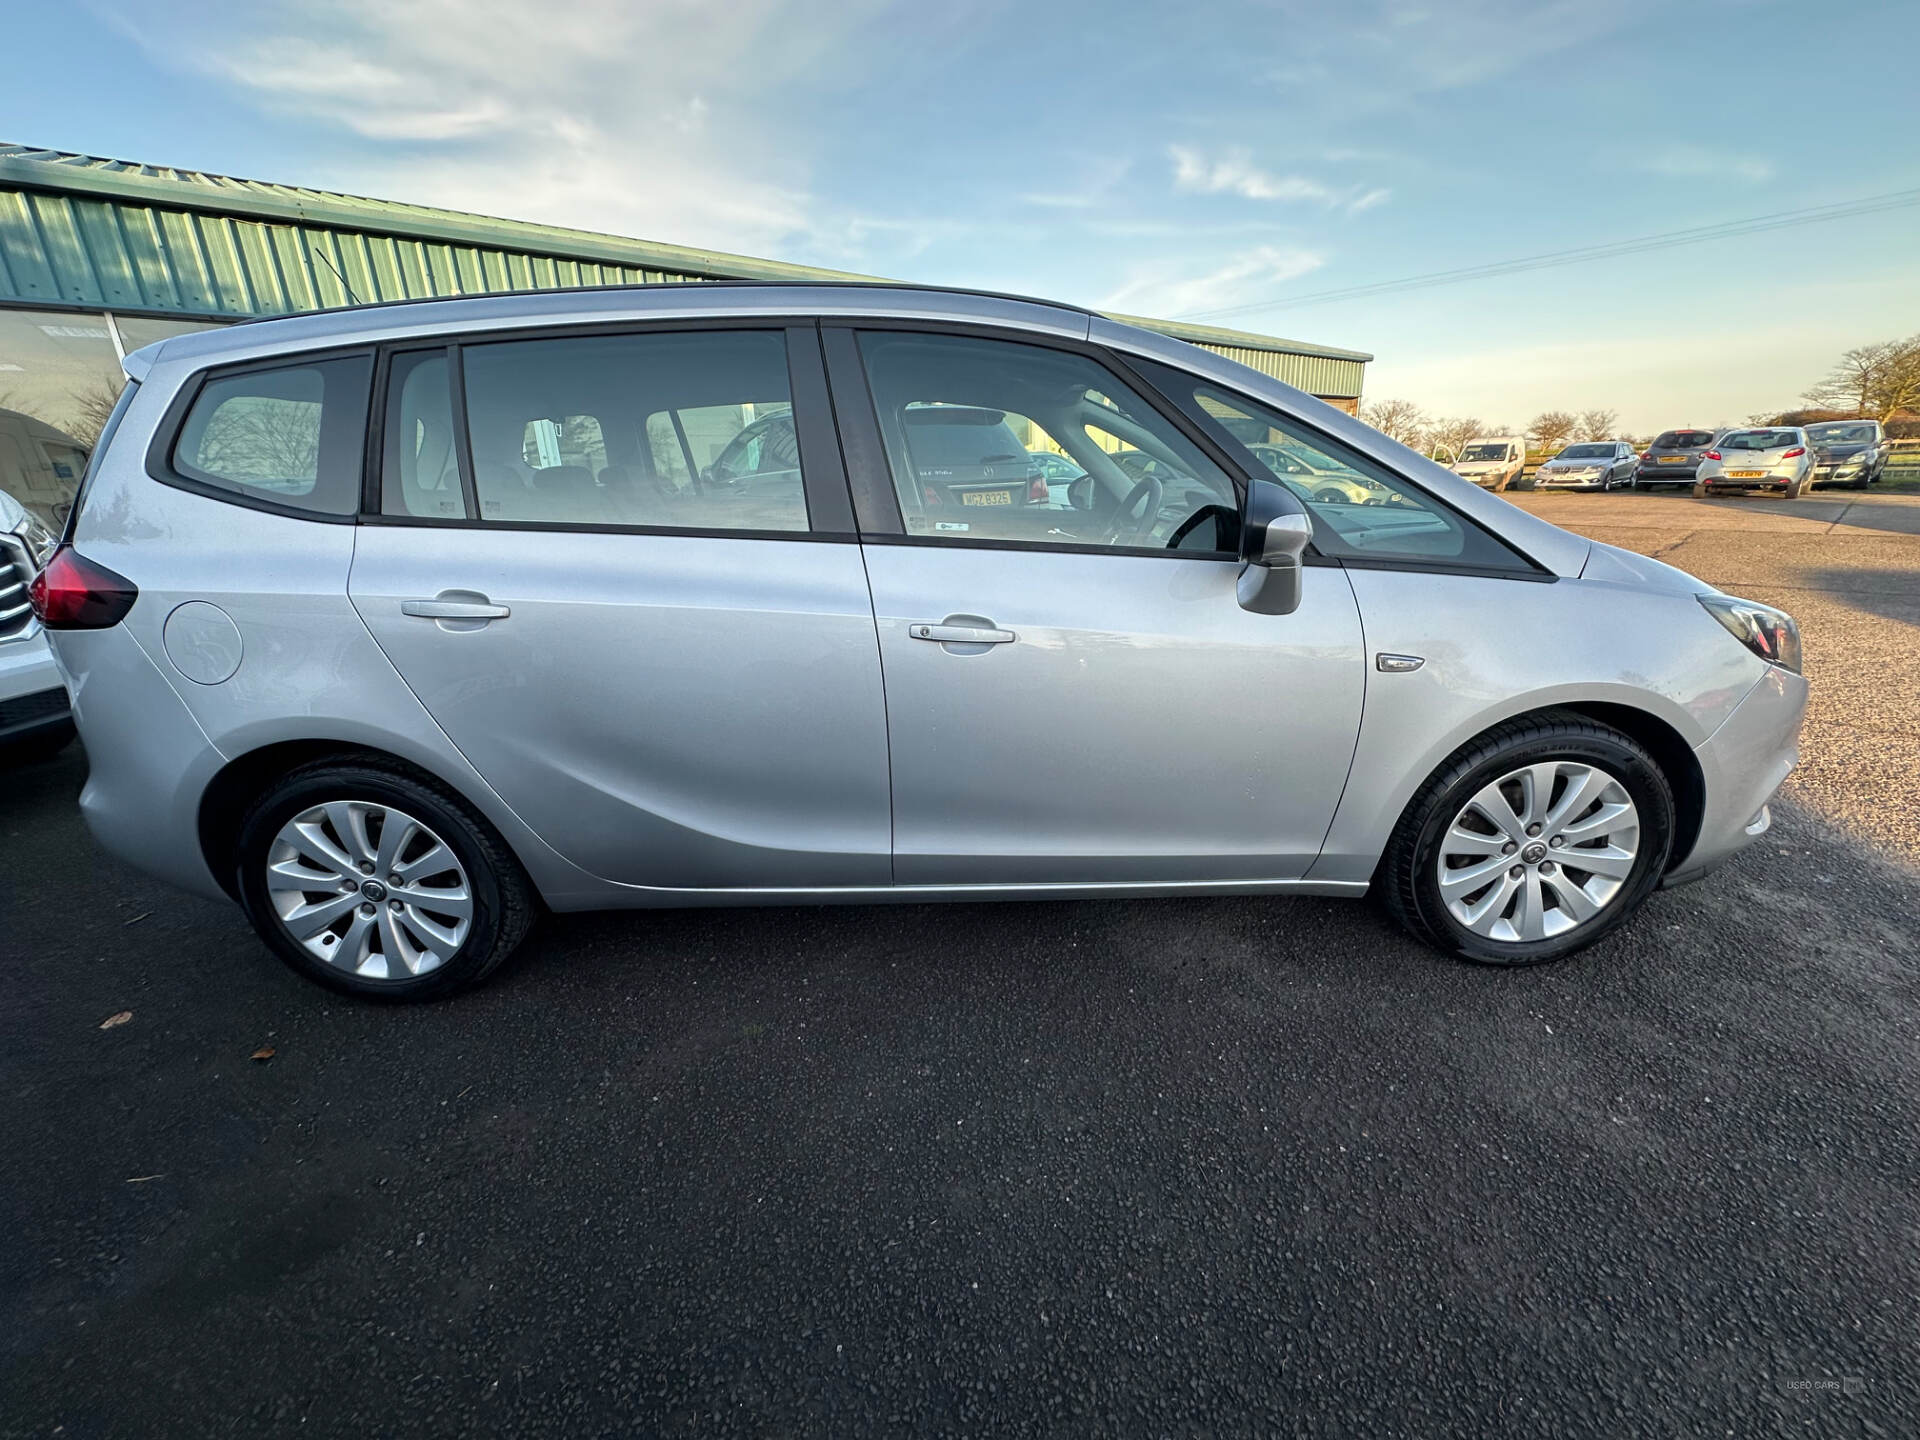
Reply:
x=34 y=717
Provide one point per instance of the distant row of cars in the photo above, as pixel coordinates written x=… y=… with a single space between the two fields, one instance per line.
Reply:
x=1790 y=459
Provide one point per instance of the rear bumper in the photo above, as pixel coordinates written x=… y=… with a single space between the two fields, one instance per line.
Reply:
x=1743 y=764
x=148 y=760
x=1771 y=482
x=1666 y=474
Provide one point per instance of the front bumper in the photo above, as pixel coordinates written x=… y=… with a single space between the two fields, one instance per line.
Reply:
x=1743 y=764
x=1546 y=481
x=1843 y=471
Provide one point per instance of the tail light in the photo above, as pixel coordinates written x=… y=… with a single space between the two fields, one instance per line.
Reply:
x=1712 y=455
x=932 y=495
x=1037 y=491
x=1795 y=453
x=75 y=593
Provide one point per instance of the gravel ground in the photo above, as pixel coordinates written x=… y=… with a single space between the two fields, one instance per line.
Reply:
x=1848 y=569
x=1165 y=1167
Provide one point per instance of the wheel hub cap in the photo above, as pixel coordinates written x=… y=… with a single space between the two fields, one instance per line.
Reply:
x=1494 y=869
x=318 y=880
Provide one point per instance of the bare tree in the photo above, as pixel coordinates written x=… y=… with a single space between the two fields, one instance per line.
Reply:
x=1598 y=424
x=91 y=407
x=1449 y=436
x=1400 y=420
x=1552 y=428
x=1877 y=380
x=263 y=439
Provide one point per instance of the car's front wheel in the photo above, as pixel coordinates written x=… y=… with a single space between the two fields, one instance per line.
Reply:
x=374 y=882
x=1531 y=842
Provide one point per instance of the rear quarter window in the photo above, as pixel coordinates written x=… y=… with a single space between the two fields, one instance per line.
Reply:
x=285 y=436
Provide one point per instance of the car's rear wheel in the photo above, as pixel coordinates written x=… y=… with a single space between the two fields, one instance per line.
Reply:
x=376 y=883
x=1797 y=487
x=1701 y=490
x=1531 y=842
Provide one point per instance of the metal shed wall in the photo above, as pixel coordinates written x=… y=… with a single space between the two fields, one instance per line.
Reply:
x=79 y=232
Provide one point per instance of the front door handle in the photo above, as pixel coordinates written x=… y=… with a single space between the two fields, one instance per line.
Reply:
x=438 y=609
x=962 y=634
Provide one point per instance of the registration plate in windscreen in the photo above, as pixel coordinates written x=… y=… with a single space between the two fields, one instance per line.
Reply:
x=986 y=497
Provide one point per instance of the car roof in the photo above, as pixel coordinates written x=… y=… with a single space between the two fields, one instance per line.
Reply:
x=403 y=319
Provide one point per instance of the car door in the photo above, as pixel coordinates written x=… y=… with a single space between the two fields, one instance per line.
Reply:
x=672 y=678
x=1074 y=695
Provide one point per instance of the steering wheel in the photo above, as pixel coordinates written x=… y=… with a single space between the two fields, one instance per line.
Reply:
x=1142 y=528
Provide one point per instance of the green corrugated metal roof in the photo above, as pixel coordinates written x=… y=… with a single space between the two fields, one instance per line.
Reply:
x=78 y=230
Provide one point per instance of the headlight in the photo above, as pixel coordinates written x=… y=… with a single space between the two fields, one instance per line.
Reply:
x=39 y=540
x=1767 y=632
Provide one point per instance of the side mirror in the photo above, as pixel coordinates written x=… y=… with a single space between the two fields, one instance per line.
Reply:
x=1080 y=493
x=1273 y=539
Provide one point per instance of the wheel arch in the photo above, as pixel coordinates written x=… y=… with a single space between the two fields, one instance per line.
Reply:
x=1671 y=753
x=224 y=802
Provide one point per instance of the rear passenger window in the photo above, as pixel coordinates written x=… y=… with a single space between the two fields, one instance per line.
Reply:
x=420 y=473
x=677 y=431
x=292 y=435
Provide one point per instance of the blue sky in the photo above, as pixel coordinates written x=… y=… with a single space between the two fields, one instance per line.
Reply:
x=1158 y=159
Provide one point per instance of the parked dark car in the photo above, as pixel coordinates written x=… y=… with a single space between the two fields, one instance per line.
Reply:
x=970 y=458
x=1673 y=458
x=1848 y=452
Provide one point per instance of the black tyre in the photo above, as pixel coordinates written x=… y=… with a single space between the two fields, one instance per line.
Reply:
x=375 y=882
x=1582 y=840
x=1701 y=490
x=1798 y=486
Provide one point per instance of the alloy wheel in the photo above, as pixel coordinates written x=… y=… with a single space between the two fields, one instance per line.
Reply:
x=369 y=889
x=1539 y=852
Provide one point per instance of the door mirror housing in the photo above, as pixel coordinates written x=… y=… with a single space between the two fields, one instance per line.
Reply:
x=1080 y=493
x=1274 y=535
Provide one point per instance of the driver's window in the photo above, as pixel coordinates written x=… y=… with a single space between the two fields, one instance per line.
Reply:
x=1000 y=441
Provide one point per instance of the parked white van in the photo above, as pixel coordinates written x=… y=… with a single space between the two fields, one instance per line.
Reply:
x=1493 y=461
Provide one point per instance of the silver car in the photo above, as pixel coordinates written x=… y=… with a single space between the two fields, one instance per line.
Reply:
x=1770 y=457
x=1588 y=465
x=399 y=624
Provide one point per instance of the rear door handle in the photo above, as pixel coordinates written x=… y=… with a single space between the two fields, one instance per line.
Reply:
x=454 y=609
x=962 y=634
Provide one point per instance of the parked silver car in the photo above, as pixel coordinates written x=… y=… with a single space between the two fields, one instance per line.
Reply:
x=1771 y=457
x=396 y=624
x=1673 y=458
x=1588 y=465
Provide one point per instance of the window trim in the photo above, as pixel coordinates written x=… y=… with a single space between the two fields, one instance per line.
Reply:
x=822 y=473
x=870 y=469
x=1527 y=567
x=160 y=450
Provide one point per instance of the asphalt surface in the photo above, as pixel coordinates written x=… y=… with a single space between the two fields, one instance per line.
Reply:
x=1160 y=1168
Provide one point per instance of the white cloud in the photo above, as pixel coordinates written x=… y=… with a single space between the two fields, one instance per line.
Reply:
x=1235 y=173
x=1697 y=161
x=1171 y=290
x=669 y=119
